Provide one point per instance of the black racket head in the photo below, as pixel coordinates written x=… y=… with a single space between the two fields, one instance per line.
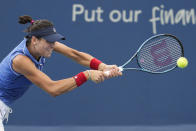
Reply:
x=160 y=53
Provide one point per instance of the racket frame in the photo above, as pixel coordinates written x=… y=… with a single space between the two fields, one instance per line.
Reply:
x=121 y=68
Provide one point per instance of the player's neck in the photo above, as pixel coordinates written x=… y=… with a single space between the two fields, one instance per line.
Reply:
x=33 y=52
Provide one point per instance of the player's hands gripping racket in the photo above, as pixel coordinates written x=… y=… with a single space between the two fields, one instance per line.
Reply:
x=158 y=54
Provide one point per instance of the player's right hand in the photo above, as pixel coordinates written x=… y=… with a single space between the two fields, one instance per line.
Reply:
x=96 y=76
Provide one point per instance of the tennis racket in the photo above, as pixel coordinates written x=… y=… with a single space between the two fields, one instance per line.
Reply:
x=158 y=54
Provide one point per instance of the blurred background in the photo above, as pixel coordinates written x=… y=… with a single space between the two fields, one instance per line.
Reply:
x=112 y=31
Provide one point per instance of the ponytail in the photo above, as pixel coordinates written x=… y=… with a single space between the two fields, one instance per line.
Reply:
x=25 y=19
x=34 y=25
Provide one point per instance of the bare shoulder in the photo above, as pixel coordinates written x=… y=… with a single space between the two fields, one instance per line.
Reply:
x=21 y=60
x=22 y=64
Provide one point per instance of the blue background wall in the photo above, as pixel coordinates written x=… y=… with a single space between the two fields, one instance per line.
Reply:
x=136 y=98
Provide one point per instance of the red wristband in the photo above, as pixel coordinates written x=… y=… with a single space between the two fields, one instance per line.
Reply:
x=80 y=78
x=94 y=64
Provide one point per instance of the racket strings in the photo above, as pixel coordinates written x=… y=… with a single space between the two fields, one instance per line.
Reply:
x=161 y=60
x=159 y=54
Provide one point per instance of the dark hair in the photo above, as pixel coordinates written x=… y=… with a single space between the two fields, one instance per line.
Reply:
x=35 y=25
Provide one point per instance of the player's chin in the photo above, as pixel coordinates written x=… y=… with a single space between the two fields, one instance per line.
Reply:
x=48 y=55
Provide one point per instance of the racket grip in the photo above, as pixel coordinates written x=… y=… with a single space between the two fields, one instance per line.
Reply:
x=108 y=72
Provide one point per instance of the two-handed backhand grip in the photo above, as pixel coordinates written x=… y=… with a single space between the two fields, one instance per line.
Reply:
x=108 y=72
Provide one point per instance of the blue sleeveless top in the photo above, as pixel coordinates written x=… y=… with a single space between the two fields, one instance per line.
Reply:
x=12 y=84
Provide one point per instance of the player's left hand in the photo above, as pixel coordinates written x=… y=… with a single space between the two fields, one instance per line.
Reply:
x=113 y=71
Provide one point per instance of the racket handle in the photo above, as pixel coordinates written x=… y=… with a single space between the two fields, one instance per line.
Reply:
x=108 y=72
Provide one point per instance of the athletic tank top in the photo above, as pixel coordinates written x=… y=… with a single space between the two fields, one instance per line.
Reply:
x=12 y=84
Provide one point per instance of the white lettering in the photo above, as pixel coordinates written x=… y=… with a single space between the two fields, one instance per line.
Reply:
x=125 y=16
x=180 y=16
x=137 y=13
x=77 y=10
x=118 y=16
x=130 y=17
x=169 y=17
x=99 y=11
x=88 y=15
x=154 y=19
x=190 y=14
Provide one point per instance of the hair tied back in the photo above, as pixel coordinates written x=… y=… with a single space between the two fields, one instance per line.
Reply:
x=32 y=21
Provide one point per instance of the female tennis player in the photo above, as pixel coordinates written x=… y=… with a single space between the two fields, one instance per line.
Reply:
x=22 y=67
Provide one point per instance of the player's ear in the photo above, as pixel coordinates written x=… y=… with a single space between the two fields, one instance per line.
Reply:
x=34 y=40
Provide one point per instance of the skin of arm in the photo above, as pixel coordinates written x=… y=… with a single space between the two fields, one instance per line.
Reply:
x=54 y=88
x=40 y=79
x=85 y=59
x=80 y=57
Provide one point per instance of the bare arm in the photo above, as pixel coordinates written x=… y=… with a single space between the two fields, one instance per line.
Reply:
x=40 y=79
x=85 y=59
x=43 y=81
x=80 y=57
